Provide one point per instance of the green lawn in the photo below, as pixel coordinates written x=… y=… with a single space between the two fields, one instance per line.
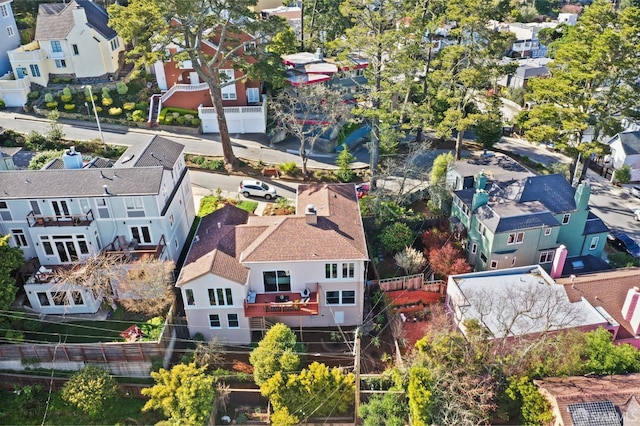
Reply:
x=29 y=409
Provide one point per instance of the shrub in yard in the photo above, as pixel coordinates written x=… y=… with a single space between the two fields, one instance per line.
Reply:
x=289 y=168
x=623 y=174
x=33 y=95
x=48 y=97
x=168 y=119
x=181 y=120
x=2 y=104
x=107 y=101
x=345 y=158
x=195 y=122
x=198 y=159
x=52 y=105
x=189 y=117
x=115 y=111
x=66 y=98
x=69 y=107
x=121 y=88
x=142 y=106
x=98 y=108
x=214 y=165
x=105 y=93
x=90 y=389
x=129 y=106
x=396 y=237
x=138 y=116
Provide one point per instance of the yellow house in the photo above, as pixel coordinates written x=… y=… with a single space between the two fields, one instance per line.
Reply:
x=71 y=40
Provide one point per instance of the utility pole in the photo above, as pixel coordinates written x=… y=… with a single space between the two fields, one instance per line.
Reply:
x=356 y=353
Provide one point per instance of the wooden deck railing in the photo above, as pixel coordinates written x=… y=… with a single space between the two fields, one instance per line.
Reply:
x=60 y=220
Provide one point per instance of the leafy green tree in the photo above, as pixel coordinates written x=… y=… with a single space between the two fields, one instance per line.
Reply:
x=464 y=71
x=316 y=391
x=43 y=158
x=284 y=42
x=593 y=78
x=605 y=357
x=396 y=237
x=488 y=127
x=534 y=408
x=11 y=259
x=440 y=167
x=146 y=22
x=389 y=409
x=185 y=394
x=90 y=389
x=622 y=260
x=323 y=23
x=420 y=395
x=343 y=161
x=372 y=36
x=274 y=353
x=55 y=133
x=623 y=174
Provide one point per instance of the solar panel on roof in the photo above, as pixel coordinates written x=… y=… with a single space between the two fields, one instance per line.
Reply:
x=596 y=413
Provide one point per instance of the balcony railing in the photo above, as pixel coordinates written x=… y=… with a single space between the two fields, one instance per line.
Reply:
x=281 y=304
x=60 y=220
x=132 y=250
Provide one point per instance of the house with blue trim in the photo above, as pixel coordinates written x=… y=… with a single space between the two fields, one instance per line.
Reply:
x=509 y=217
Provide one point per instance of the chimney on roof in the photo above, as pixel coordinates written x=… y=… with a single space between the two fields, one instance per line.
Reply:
x=79 y=15
x=630 y=309
x=318 y=55
x=311 y=215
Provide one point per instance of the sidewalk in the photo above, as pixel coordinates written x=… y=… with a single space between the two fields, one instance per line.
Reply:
x=251 y=147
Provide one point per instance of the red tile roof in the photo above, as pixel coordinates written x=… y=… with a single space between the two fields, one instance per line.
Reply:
x=607 y=290
x=622 y=390
x=337 y=235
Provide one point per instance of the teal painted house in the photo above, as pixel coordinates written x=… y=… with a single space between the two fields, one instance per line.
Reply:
x=523 y=219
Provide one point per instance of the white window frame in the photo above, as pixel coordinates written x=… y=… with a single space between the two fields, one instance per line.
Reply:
x=341 y=297
x=515 y=238
x=212 y=318
x=115 y=43
x=60 y=63
x=253 y=94
x=73 y=300
x=474 y=248
x=141 y=234
x=4 y=10
x=103 y=208
x=594 y=243
x=349 y=270
x=19 y=237
x=493 y=264
x=76 y=49
x=566 y=218
x=331 y=271
x=189 y=298
x=56 y=46
x=5 y=212
x=229 y=320
x=546 y=256
x=547 y=231
x=35 y=70
x=229 y=91
x=134 y=207
x=10 y=31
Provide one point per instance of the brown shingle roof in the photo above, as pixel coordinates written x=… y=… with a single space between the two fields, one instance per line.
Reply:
x=337 y=235
x=214 y=248
x=619 y=389
x=606 y=289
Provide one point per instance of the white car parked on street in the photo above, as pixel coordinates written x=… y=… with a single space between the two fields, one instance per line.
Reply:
x=257 y=188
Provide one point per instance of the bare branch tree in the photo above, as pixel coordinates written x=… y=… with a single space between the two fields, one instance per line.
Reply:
x=309 y=113
x=141 y=286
